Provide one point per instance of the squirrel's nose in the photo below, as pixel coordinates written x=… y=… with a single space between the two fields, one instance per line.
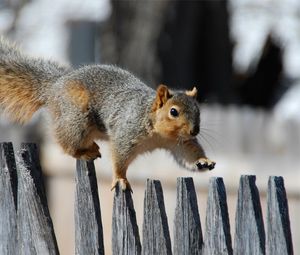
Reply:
x=195 y=131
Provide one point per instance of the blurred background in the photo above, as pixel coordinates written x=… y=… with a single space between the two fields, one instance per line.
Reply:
x=243 y=56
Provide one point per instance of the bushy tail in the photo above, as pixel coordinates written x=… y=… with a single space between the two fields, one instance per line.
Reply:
x=24 y=82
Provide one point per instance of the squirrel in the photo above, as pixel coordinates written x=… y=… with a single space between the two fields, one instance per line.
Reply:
x=102 y=102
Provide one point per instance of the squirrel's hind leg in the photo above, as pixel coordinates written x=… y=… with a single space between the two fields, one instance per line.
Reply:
x=76 y=137
x=80 y=149
x=73 y=125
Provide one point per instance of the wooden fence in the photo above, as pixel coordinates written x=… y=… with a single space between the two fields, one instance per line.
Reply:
x=26 y=226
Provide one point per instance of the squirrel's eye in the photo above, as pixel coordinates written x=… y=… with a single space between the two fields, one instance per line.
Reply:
x=174 y=112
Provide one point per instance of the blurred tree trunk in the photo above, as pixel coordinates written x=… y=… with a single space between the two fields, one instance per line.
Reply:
x=179 y=43
x=129 y=38
x=195 y=49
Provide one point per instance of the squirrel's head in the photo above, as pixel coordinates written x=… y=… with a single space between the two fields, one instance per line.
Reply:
x=176 y=114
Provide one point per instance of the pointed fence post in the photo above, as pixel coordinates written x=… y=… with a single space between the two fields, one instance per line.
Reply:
x=125 y=232
x=156 y=236
x=8 y=200
x=187 y=227
x=88 y=224
x=35 y=228
x=217 y=238
x=249 y=225
x=279 y=237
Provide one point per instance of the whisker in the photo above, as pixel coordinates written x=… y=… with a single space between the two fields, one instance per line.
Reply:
x=211 y=124
x=206 y=141
x=209 y=130
x=210 y=136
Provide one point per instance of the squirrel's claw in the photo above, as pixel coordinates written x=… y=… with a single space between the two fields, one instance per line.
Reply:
x=94 y=151
x=90 y=153
x=204 y=163
x=124 y=184
x=98 y=155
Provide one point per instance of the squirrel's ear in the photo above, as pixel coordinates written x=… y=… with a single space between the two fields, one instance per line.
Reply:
x=162 y=96
x=192 y=93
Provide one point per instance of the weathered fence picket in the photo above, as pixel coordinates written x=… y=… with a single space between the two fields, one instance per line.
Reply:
x=188 y=238
x=88 y=224
x=279 y=238
x=156 y=237
x=249 y=226
x=26 y=226
x=8 y=200
x=125 y=232
x=217 y=238
x=35 y=229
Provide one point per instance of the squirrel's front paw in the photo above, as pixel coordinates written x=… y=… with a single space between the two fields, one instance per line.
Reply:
x=204 y=164
x=124 y=184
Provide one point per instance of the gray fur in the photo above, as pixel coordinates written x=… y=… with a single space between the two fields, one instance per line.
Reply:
x=120 y=106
